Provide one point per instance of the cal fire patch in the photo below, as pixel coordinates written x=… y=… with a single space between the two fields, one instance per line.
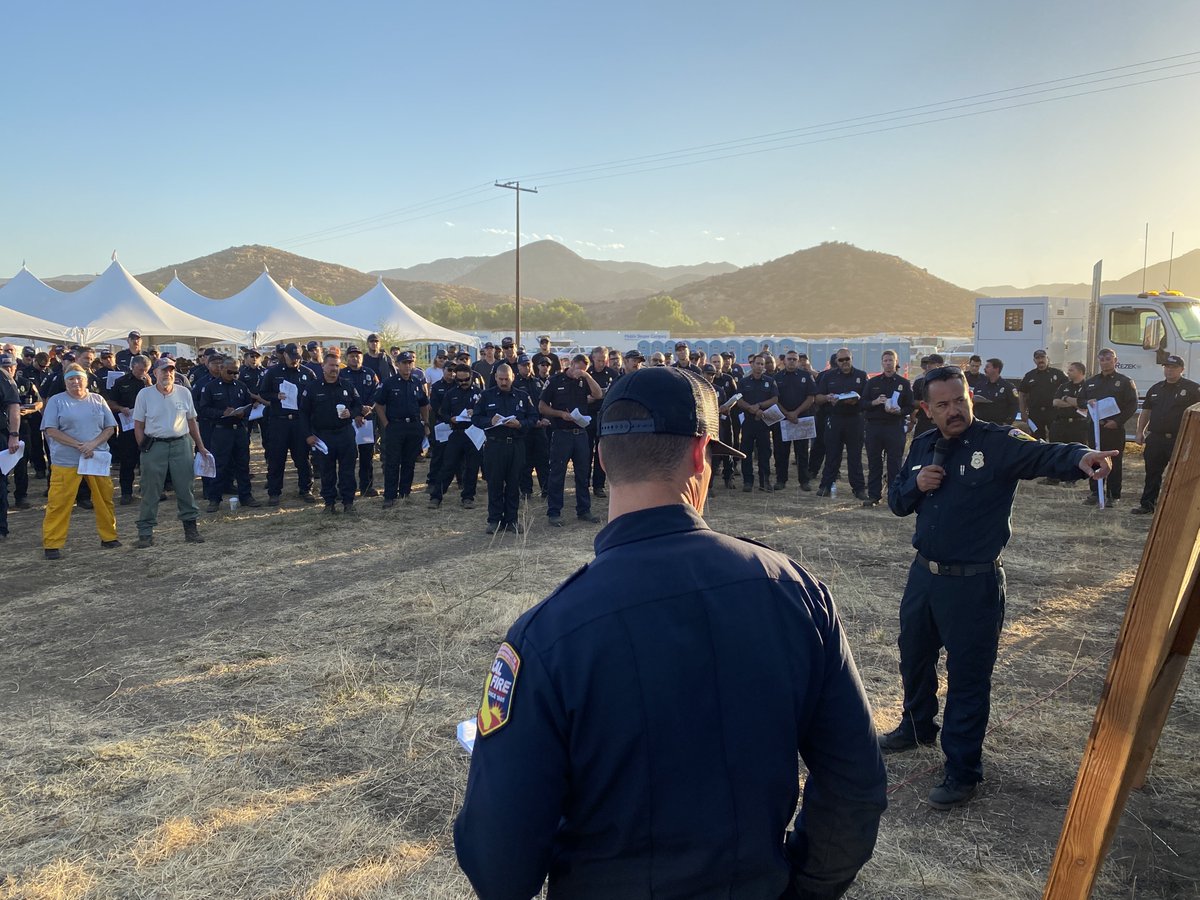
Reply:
x=1021 y=435
x=498 y=690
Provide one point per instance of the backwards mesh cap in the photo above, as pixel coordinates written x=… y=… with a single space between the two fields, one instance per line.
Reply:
x=677 y=401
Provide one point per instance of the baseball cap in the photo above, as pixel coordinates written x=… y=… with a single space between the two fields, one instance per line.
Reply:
x=352 y=349
x=442 y=354
x=68 y=356
x=680 y=344
x=727 y=354
x=291 y=349
x=678 y=403
x=1039 y=352
x=372 y=337
x=1173 y=361
x=106 y=352
x=522 y=359
x=634 y=354
x=489 y=346
x=406 y=356
x=544 y=339
x=507 y=342
x=135 y=334
x=708 y=369
x=7 y=359
x=164 y=362
x=311 y=345
x=28 y=351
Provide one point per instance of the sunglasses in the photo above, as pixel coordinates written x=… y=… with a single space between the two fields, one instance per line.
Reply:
x=943 y=373
x=842 y=359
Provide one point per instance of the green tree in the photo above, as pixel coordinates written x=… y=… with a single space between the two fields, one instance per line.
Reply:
x=565 y=314
x=323 y=299
x=723 y=325
x=664 y=313
x=448 y=312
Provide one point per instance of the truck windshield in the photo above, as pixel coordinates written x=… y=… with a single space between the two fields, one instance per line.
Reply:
x=1186 y=317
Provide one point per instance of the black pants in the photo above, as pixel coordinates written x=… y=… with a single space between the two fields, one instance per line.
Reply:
x=35 y=447
x=401 y=447
x=20 y=472
x=1113 y=439
x=537 y=459
x=756 y=441
x=729 y=436
x=4 y=499
x=337 y=466
x=206 y=428
x=569 y=445
x=230 y=446
x=816 y=452
x=1044 y=419
x=1157 y=454
x=505 y=464
x=366 y=466
x=843 y=434
x=286 y=437
x=883 y=439
x=128 y=454
x=964 y=615
x=458 y=458
x=783 y=449
x=599 y=478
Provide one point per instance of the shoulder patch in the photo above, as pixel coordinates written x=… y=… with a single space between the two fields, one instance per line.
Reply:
x=496 y=706
x=1021 y=435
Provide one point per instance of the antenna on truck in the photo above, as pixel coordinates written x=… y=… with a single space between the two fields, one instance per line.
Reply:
x=1145 y=248
x=1171 y=261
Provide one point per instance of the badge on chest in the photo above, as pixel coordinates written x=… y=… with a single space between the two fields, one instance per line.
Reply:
x=977 y=459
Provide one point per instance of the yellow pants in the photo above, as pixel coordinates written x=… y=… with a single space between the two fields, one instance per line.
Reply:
x=64 y=484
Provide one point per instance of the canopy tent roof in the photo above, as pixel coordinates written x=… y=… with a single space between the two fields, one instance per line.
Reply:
x=108 y=308
x=308 y=301
x=264 y=312
x=381 y=310
x=27 y=293
x=19 y=325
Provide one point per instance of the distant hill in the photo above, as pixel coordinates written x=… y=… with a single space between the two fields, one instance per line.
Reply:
x=550 y=269
x=1184 y=276
x=832 y=288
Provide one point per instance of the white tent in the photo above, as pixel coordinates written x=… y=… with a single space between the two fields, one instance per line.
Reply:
x=114 y=304
x=308 y=301
x=26 y=293
x=264 y=313
x=381 y=310
x=19 y=325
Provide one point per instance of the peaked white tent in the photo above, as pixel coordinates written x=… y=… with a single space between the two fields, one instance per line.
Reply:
x=114 y=304
x=308 y=301
x=26 y=293
x=263 y=313
x=381 y=310
x=19 y=325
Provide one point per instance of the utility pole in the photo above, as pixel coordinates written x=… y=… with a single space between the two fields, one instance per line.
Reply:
x=515 y=187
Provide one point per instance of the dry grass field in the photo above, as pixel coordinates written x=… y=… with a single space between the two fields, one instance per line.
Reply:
x=271 y=714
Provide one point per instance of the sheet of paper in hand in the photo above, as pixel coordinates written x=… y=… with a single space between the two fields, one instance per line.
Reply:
x=804 y=429
x=99 y=464
x=205 y=465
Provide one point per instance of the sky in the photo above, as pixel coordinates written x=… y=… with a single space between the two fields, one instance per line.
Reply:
x=370 y=133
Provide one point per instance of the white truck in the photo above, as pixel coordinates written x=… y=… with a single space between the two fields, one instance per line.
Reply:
x=1142 y=328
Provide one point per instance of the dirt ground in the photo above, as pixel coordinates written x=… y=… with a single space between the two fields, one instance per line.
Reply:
x=272 y=714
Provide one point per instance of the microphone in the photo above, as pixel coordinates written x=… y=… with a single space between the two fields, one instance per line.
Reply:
x=941 y=450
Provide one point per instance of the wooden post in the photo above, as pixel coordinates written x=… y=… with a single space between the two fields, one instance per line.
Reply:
x=1160 y=627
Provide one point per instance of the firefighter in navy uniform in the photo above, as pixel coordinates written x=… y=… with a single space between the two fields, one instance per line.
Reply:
x=460 y=457
x=224 y=404
x=401 y=406
x=844 y=429
x=565 y=393
x=366 y=383
x=120 y=400
x=729 y=429
x=134 y=348
x=31 y=405
x=537 y=438
x=1036 y=395
x=797 y=392
x=1108 y=382
x=641 y=729
x=1071 y=424
x=545 y=353
x=329 y=409
x=995 y=400
x=759 y=392
x=1158 y=426
x=964 y=470
x=437 y=393
x=282 y=429
x=975 y=378
x=920 y=422
x=885 y=425
x=504 y=448
x=604 y=376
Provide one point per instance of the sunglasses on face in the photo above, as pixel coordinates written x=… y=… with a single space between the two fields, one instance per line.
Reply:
x=843 y=359
x=943 y=373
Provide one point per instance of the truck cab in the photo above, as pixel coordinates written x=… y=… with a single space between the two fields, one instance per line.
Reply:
x=1145 y=328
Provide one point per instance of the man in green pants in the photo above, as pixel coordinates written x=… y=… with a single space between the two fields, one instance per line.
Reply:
x=164 y=425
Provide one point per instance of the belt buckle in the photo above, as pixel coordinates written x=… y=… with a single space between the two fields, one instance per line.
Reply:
x=934 y=567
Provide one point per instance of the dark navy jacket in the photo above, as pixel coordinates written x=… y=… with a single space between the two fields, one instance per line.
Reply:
x=835 y=381
x=495 y=402
x=268 y=387
x=665 y=695
x=966 y=520
x=216 y=396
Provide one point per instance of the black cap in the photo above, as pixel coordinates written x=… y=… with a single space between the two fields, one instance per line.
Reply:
x=678 y=403
x=679 y=344
x=634 y=354
x=406 y=356
x=727 y=354
x=135 y=334
x=291 y=349
x=1173 y=361
x=489 y=346
x=107 y=351
x=352 y=349
x=523 y=359
x=708 y=369
x=372 y=337
x=507 y=342
x=442 y=354
x=311 y=345
x=28 y=351
x=544 y=339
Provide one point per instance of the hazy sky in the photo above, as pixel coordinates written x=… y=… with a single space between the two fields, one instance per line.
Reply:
x=169 y=131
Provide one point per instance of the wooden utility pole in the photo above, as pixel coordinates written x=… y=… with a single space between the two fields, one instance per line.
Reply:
x=1160 y=628
x=515 y=187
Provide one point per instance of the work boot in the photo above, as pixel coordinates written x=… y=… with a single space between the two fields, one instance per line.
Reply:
x=806 y=485
x=110 y=545
x=589 y=517
x=870 y=504
x=52 y=554
x=514 y=527
x=599 y=492
x=272 y=499
x=555 y=521
x=766 y=486
x=435 y=502
x=331 y=509
x=83 y=503
x=144 y=541
x=251 y=503
x=823 y=492
x=951 y=793
x=347 y=509
x=191 y=533
x=388 y=504
x=1140 y=510
x=213 y=505
x=747 y=488
x=901 y=740
x=468 y=503
x=21 y=504
x=126 y=499
x=1090 y=500
x=491 y=527
x=862 y=495
x=308 y=497
x=370 y=492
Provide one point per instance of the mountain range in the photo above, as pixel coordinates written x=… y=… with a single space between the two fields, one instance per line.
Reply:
x=1182 y=274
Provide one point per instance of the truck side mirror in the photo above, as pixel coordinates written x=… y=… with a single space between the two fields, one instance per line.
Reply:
x=1153 y=334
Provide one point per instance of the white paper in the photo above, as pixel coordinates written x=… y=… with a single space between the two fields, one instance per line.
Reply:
x=99 y=464
x=291 y=395
x=441 y=432
x=772 y=414
x=466 y=734
x=580 y=419
x=1105 y=408
x=424 y=444
x=1032 y=425
x=477 y=436
x=1099 y=482
x=742 y=418
x=321 y=447
x=364 y=434
x=848 y=395
x=464 y=416
x=256 y=412
x=894 y=400
x=205 y=465
x=112 y=378
x=126 y=421
x=804 y=429
x=504 y=420
x=8 y=461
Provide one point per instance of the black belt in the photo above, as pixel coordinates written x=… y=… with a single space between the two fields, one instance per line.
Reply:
x=1163 y=434
x=959 y=571
x=399 y=421
x=285 y=416
x=168 y=440
x=571 y=430
x=230 y=426
x=507 y=440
